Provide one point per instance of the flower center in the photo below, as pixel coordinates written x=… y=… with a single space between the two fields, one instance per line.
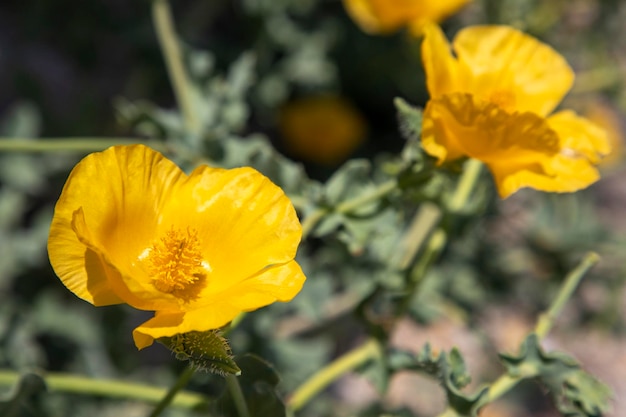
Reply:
x=503 y=99
x=175 y=264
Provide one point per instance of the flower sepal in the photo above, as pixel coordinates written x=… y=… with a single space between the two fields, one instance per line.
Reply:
x=206 y=351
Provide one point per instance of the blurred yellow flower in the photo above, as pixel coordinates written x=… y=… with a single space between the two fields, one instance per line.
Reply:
x=387 y=16
x=491 y=100
x=324 y=129
x=131 y=227
x=608 y=119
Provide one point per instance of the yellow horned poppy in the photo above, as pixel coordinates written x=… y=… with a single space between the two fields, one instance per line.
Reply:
x=387 y=16
x=491 y=100
x=198 y=249
x=324 y=129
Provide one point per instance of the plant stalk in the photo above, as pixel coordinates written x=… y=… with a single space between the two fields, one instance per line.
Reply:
x=182 y=381
x=330 y=373
x=83 y=144
x=170 y=47
x=61 y=382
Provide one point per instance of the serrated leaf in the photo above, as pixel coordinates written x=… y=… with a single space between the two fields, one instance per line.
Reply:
x=206 y=351
x=409 y=120
x=575 y=392
x=587 y=393
x=450 y=371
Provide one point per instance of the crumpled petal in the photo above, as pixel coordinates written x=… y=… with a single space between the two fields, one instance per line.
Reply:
x=520 y=149
x=460 y=124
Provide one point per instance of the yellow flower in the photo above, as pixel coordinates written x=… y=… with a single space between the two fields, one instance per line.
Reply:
x=324 y=129
x=131 y=227
x=607 y=118
x=492 y=101
x=387 y=16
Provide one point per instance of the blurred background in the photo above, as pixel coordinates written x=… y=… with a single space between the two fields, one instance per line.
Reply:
x=321 y=90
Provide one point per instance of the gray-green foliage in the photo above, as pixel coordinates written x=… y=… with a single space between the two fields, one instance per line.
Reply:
x=357 y=222
x=575 y=392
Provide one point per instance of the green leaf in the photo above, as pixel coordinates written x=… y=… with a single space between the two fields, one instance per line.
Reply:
x=449 y=369
x=575 y=392
x=207 y=351
x=349 y=181
x=258 y=383
x=409 y=123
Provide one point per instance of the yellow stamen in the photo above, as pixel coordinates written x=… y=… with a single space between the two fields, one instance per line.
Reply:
x=176 y=265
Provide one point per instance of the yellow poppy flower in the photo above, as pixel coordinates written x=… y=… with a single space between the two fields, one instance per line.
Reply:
x=324 y=129
x=131 y=227
x=492 y=101
x=608 y=118
x=387 y=16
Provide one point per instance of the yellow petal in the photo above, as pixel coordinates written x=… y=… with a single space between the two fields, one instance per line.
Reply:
x=133 y=288
x=362 y=14
x=387 y=16
x=460 y=124
x=280 y=283
x=505 y=62
x=564 y=175
x=443 y=73
x=81 y=269
x=169 y=323
x=120 y=193
x=245 y=224
x=434 y=11
x=580 y=136
x=521 y=149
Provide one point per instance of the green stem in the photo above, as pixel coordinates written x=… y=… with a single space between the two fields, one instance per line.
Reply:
x=83 y=144
x=426 y=220
x=182 y=381
x=377 y=193
x=68 y=383
x=464 y=188
x=309 y=223
x=330 y=373
x=546 y=320
x=419 y=230
x=380 y=191
x=168 y=40
x=237 y=394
